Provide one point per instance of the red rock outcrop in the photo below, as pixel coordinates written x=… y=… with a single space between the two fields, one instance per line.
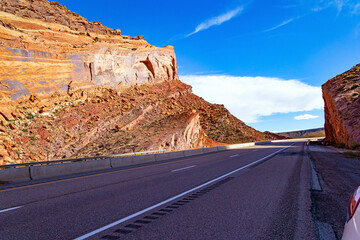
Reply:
x=44 y=48
x=342 y=109
x=53 y=12
x=72 y=88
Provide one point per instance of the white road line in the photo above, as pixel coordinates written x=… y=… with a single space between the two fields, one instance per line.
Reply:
x=175 y=197
x=176 y=170
x=234 y=155
x=9 y=209
x=254 y=150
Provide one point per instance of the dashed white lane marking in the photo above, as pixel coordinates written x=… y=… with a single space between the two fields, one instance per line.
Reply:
x=234 y=155
x=254 y=150
x=176 y=170
x=175 y=197
x=9 y=209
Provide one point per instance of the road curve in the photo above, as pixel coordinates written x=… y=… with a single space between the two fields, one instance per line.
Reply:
x=259 y=192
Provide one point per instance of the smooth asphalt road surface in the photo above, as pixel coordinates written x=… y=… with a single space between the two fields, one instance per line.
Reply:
x=233 y=194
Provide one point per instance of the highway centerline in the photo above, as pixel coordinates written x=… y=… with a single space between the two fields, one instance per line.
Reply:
x=177 y=196
x=180 y=169
x=234 y=155
x=9 y=209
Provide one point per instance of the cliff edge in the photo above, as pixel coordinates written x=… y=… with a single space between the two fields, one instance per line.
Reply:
x=342 y=104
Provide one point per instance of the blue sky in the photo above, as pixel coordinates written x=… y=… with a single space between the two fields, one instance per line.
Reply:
x=275 y=54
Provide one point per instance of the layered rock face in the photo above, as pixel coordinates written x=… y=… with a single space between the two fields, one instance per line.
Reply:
x=44 y=48
x=72 y=88
x=53 y=12
x=342 y=109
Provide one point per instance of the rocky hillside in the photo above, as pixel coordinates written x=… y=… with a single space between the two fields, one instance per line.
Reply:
x=315 y=132
x=71 y=88
x=342 y=109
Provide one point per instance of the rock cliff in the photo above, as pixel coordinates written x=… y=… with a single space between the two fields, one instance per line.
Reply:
x=342 y=109
x=45 y=48
x=73 y=88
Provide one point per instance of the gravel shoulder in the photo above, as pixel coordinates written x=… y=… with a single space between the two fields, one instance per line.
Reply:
x=339 y=176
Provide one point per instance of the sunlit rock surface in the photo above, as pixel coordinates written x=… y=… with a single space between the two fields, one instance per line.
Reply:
x=342 y=109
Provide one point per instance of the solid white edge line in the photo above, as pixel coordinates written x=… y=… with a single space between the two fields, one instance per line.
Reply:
x=9 y=209
x=234 y=155
x=175 y=197
x=176 y=170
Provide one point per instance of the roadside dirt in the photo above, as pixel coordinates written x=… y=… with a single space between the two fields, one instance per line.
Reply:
x=339 y=176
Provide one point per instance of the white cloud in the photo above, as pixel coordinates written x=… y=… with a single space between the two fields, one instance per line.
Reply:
x=305 y=117
x=280 y=25
x=250 y=98
x=218 y=20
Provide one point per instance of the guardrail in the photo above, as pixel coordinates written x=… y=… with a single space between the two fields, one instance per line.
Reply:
x=18 y=165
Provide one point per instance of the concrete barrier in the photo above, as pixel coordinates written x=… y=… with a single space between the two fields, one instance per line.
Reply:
x=54 y=170
x=210 y=149
x=193 y=152
x=133 y=160
x=222 y=148
x=14 y=174
x=169 y=155
x=263 y=143
x=237 y=146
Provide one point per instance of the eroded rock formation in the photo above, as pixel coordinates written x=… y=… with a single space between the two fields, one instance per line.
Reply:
x=342 y=109
x=72 y=88
x=44 y=48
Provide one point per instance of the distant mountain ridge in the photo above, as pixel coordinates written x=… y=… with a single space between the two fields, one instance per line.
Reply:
x=315 y=132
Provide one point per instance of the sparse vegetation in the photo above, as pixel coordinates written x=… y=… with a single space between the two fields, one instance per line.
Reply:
x=355 y=85
x=340 y=145
x=351 y=154
x=30 y=116
x=33 y=138
x=354 y=145
x=351 y=76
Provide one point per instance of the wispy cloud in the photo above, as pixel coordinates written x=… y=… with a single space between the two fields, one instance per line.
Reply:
x=218 y=20
x=339 y=4
x=250 y=98
x=319 y=5
x=305 y=117
x=280 y=25
x=356 y=9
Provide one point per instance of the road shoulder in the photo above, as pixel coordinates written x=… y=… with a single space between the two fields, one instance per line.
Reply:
x=338 y=177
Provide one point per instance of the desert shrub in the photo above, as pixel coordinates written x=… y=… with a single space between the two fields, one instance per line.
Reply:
x=351 y=154
x=340 y=145
x=30 y=116
x=354 y=145
x=351 y=76
x=355 y=85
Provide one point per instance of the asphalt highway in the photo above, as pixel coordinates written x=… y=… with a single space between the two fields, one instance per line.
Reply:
x=259 y=192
